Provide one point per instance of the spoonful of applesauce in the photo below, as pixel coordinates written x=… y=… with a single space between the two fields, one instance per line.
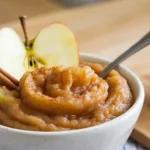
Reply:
x=143 y=42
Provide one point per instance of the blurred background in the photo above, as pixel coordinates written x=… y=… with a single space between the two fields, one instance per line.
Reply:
x=102 y=27
x=31 y=8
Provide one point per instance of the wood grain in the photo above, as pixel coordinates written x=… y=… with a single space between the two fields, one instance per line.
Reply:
x=107 y=29
x=142 y=131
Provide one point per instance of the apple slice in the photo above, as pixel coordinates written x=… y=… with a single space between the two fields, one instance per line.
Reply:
x=55 y=45
x=12 y=53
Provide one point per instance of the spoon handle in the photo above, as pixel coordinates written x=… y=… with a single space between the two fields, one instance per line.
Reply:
x=143 y=42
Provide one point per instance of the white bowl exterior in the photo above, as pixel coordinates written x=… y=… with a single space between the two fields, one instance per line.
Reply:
x=108 y=136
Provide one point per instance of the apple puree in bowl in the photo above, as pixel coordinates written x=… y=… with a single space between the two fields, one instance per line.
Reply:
x=65 y=98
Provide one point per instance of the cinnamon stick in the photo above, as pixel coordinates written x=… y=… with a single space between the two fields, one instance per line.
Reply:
x=10 y=77
x=6 y=82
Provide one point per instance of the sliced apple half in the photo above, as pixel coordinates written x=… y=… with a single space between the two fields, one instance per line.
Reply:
x=56 y=45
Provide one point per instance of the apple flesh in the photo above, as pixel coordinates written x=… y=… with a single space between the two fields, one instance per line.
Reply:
x=12 y=53
x=54 y=45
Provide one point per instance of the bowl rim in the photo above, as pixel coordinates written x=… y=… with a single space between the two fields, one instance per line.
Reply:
x=139 y=101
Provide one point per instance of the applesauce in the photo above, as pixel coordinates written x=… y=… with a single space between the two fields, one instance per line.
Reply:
x=65 y=98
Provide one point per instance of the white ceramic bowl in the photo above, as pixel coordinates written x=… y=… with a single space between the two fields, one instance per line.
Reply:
x=111 y=135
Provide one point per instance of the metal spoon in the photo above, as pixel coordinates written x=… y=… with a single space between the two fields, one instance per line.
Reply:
x=143 y=42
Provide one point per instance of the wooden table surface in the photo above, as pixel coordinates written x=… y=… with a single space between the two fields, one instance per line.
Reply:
x=31 y=8
x=107 y=29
